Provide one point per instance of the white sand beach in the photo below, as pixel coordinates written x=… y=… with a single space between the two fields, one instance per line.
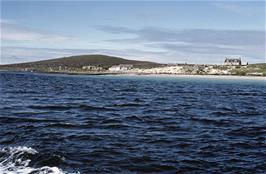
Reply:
x=229 y=77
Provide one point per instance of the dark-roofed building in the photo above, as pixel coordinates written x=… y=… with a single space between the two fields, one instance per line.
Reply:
x=228 y=61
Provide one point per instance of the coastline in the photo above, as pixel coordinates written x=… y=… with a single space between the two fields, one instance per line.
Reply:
x=229 y=77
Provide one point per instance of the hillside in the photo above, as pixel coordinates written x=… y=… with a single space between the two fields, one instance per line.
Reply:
x=77 y=62
x=252 y=69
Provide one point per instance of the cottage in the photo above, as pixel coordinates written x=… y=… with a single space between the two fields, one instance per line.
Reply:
x=92 y=68
x=121 y=67
x=228 y=61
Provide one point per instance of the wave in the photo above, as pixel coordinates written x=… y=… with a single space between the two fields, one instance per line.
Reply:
x=64 y=107
x=14 y=119
x=130 y=105
x=14 y=160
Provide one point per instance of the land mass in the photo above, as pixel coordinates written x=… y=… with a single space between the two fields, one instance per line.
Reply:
x=102 y=64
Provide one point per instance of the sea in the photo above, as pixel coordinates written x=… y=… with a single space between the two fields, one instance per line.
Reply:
x=82 y=124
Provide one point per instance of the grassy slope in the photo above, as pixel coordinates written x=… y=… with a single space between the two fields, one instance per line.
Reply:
x=252 y=68
x=79 y=61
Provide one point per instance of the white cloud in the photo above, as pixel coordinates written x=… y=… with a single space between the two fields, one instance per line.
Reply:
x=229 y=6
x=22 y=54
x=243 y=7
x=10 y=31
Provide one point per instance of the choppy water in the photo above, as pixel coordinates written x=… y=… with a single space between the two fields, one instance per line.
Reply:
x=112 y=124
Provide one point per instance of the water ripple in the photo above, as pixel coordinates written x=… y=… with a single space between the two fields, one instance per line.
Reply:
x=111 y=124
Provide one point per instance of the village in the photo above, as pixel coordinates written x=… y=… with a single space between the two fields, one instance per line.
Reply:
x=230 y=67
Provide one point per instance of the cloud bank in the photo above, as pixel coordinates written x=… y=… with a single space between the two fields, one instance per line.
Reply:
x=148 y=43
x=201 y=42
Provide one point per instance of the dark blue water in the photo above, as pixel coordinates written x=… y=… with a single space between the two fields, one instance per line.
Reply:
x=112 y=124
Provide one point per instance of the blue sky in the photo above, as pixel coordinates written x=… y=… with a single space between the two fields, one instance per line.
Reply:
x=176 y=31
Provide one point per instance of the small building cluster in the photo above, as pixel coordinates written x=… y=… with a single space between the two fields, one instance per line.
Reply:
x=92 y=68
x=121 y=67
x=236 y=62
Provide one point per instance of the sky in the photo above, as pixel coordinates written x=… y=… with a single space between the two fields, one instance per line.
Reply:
x=160 y=31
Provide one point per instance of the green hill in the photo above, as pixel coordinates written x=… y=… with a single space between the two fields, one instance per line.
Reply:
x=77 y=62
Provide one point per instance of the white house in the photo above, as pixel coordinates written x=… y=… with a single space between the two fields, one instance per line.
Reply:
x=121 y=67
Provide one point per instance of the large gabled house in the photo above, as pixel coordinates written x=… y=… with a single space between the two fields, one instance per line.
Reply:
x=229 y=61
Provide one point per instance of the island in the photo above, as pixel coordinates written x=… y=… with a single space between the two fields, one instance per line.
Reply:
x=104 y=65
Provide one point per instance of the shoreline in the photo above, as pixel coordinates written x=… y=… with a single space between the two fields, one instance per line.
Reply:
x=198 y=76
x=232 y=77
